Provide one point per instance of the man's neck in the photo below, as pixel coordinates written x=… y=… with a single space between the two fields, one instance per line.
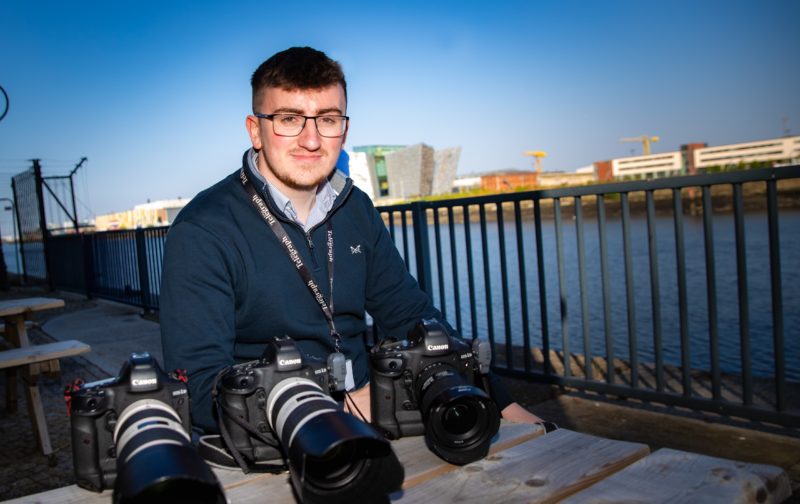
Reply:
x=302 y=199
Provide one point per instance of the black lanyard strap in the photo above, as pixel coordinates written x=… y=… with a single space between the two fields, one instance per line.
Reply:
x=305 y=274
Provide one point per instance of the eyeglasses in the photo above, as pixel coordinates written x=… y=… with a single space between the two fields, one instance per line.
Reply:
x=289 y=125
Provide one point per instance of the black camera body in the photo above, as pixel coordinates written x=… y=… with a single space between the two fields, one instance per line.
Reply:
x=432 y=383
x=96 y=407
x=245 y=389
x=333 y=456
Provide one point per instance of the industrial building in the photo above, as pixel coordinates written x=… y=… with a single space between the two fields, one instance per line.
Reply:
x=150 y=214
x=699 y=158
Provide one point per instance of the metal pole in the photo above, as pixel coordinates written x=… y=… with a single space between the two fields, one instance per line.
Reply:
x=37 y=171
x=14 y=227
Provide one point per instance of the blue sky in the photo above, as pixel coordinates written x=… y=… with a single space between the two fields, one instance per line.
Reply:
x=155 y=93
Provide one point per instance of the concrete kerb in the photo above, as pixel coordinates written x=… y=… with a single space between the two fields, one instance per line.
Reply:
x=113 y=330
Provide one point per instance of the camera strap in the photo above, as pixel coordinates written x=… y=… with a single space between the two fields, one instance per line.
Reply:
x=305 y=274
x=213 y=448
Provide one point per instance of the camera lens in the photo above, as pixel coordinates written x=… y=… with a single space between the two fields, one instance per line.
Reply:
x=460 y=419
x=337 y=467
x=333 y=456
x=156 y=461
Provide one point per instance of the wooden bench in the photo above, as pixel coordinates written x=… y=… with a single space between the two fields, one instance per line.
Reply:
x=16 y=314
x=35 y=361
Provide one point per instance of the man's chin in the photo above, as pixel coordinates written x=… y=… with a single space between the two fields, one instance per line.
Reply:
x=307 y=184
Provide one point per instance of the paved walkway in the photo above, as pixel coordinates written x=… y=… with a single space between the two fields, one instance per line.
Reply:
x=113 y=331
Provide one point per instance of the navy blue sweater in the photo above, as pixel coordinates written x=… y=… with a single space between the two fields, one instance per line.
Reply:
x=228 y=285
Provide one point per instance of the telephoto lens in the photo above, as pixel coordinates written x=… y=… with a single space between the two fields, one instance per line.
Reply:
x=284 y=398
x=132 y=432
x=156 y=461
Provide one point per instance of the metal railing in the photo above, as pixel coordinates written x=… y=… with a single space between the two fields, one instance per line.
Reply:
x=625 y=307
x=600 y=288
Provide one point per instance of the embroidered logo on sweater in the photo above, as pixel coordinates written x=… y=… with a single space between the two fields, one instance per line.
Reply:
x=355 y=250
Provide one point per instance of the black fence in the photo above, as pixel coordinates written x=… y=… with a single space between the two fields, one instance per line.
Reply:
x=640 y=289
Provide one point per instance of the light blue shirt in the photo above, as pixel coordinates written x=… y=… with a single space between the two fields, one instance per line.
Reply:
x=323 y=203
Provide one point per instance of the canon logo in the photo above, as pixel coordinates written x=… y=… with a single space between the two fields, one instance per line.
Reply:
x=438 y=347
x=142 y=382
x=289 y=362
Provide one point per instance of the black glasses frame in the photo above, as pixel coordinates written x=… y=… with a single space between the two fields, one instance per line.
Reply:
x=305 y=120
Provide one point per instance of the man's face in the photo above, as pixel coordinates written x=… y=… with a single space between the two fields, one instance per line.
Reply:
x=301 y=162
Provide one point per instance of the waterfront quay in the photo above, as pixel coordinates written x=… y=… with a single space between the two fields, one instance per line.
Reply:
x=114 y=330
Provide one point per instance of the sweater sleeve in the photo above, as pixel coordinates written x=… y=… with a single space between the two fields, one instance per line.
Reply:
x=197 y=313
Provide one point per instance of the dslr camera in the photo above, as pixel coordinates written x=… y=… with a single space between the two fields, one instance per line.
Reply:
x=284 y=400
x=432 y=383
x=132 y=432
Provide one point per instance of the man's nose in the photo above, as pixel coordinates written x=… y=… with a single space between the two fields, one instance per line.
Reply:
x=310 y=138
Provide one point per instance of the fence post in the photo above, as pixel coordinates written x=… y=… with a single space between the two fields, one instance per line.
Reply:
x=144 y=274
x=422 y=247
x=87 y=245
x=37 y=172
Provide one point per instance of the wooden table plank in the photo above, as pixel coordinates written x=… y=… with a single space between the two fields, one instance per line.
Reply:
x=13 y=313
x=31 y=354
x=544 y=469
x=24 y=305
x=674 y=476
x=243 y=488
x=421 y=464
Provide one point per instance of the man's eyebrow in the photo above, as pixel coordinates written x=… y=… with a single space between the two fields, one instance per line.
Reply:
x=331 y=110
x=287 y=110
x=291 y=110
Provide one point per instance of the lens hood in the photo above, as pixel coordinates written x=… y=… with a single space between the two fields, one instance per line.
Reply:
x=337 y=458
x=460 y=424
x=167 y=473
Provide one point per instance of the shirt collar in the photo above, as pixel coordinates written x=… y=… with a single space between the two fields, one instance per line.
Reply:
x=326 y=196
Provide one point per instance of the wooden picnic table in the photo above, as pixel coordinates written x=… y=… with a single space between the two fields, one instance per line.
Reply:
x=526 y=465
x=33 y=360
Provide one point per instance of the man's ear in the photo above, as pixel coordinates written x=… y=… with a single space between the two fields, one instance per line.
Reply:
x=253 y=126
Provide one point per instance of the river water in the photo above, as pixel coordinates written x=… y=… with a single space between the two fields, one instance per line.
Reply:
x=758 y=282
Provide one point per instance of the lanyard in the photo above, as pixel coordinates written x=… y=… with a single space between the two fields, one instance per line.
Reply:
x=305 y=274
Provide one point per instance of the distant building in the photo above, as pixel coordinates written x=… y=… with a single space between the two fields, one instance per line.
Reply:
x=362 y=171
x=467 y=183
x=409 y=171
x=508 y=180
x=150 y=214
x=776 y=151
x=699 y=158
x=652 y=166
x=400 y=172
x=559 y=179
x=445 y=165
x=376 y=158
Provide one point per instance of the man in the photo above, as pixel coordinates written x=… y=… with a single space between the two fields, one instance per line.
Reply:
x=235 y=255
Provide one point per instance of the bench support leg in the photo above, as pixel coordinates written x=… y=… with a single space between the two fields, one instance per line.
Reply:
x=38 y=419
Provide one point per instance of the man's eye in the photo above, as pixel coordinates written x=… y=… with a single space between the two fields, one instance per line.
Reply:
x=328 y=121
x=289 y=120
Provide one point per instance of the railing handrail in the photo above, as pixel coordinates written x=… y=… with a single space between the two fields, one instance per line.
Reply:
x=699 y=180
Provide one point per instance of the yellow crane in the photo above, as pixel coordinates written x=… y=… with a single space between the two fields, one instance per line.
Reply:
x=537 y=156
x=645 y=142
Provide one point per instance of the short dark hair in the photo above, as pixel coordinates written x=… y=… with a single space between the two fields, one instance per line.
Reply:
x=297 y=68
